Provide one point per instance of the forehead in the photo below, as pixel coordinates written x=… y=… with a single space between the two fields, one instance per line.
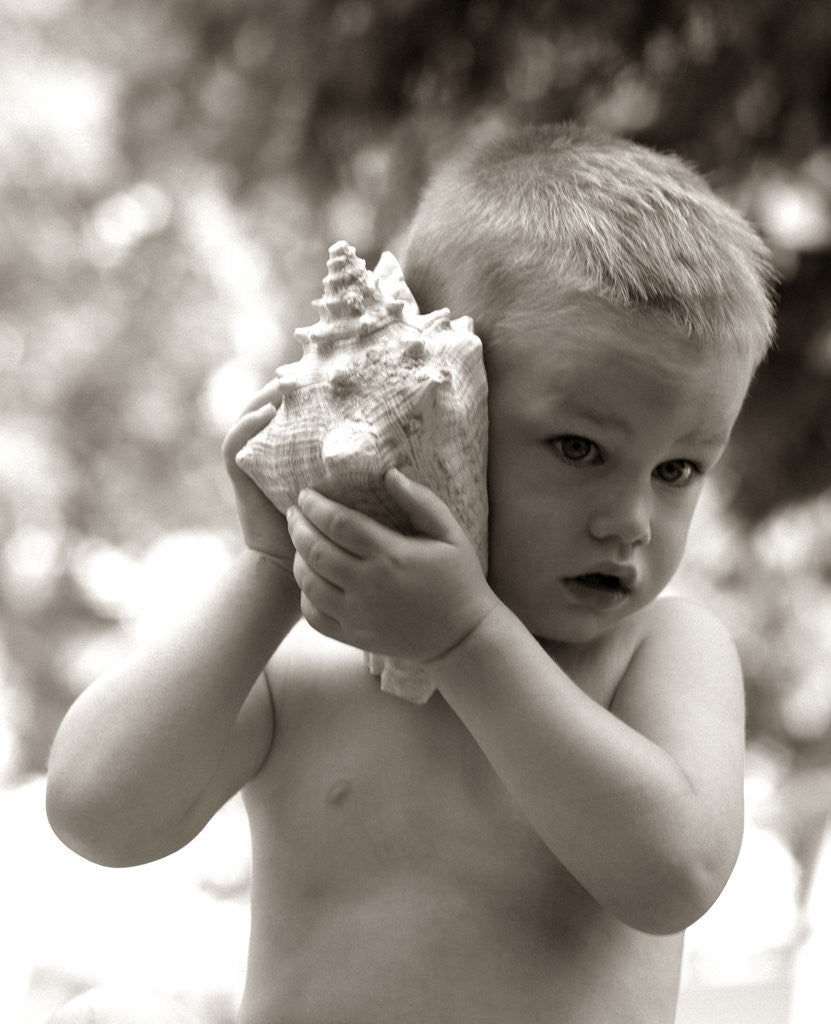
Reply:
x=583 y=353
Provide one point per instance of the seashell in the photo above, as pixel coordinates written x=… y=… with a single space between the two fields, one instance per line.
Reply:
x=379 y=385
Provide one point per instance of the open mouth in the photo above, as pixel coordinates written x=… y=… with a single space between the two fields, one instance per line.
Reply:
x=601 y=581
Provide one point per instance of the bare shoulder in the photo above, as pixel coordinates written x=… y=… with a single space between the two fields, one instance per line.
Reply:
x=306 y=651
x=672 y=629
x=308 y=664
x=674 y=617
x=684 y=686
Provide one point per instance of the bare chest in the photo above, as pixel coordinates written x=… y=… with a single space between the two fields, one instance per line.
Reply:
x=363 y=783
x=362 y=786
x=384 y=841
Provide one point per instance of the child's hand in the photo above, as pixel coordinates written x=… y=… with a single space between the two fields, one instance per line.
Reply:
x=408 y=596
x=263 y=527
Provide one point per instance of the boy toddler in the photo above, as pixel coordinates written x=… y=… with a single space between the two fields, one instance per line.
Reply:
x=529 y=846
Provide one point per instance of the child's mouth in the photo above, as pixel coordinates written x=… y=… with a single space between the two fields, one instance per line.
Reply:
x=599 y=590
x=609 y=585
x=601 y=581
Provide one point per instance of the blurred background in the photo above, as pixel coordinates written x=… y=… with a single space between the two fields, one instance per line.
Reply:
x=171 y=175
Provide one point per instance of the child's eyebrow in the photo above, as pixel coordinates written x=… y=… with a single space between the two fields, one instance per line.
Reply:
x=592 y=417
x=705 y=438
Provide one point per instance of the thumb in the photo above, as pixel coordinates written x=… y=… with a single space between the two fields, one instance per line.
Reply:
x=427 y=513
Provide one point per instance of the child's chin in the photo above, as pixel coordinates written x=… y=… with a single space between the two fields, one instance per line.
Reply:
x=581 y=628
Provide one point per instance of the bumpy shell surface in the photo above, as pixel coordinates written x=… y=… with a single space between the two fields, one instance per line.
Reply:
x=379 y=385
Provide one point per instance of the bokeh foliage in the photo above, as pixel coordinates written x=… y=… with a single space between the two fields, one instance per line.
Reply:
x=171 y=174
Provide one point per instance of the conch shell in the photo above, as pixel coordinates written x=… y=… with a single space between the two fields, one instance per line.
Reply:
x=380 y=386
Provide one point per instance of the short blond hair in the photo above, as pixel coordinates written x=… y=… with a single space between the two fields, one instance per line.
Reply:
x=582 y=210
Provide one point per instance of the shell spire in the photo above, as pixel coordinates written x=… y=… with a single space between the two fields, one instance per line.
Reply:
x=379 y=385
x=352 y=303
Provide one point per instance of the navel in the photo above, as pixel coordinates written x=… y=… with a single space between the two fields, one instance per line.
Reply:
x=338 y=792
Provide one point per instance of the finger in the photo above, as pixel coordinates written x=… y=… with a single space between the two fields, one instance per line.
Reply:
x=350 y=530
x=322 y=556
x=325 y=596
x=319 y=620
x=269 y=394
x=427 y=513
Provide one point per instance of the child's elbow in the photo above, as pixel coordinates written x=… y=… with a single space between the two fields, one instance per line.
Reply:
x=67 y=818
x=666 y=912
x=677 y=895
x=81 y=823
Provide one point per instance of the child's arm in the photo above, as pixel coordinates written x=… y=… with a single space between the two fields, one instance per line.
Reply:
x=151 y=750
x=644 y=804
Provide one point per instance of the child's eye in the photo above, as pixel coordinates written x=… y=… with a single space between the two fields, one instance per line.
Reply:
x=576 y=450
x=677 y=472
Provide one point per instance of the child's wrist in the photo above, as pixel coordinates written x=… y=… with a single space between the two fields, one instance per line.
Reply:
x=450 y=660
x=279 y=566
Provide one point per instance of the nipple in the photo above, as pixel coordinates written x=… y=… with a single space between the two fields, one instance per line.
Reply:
x=338 y=792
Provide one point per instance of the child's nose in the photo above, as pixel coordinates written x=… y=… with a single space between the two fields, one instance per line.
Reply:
x=625 y=516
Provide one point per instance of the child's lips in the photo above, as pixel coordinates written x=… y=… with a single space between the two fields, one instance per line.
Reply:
x=605 y=584
x=603 y=581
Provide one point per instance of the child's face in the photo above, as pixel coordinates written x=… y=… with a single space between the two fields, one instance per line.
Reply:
x=603 y=425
